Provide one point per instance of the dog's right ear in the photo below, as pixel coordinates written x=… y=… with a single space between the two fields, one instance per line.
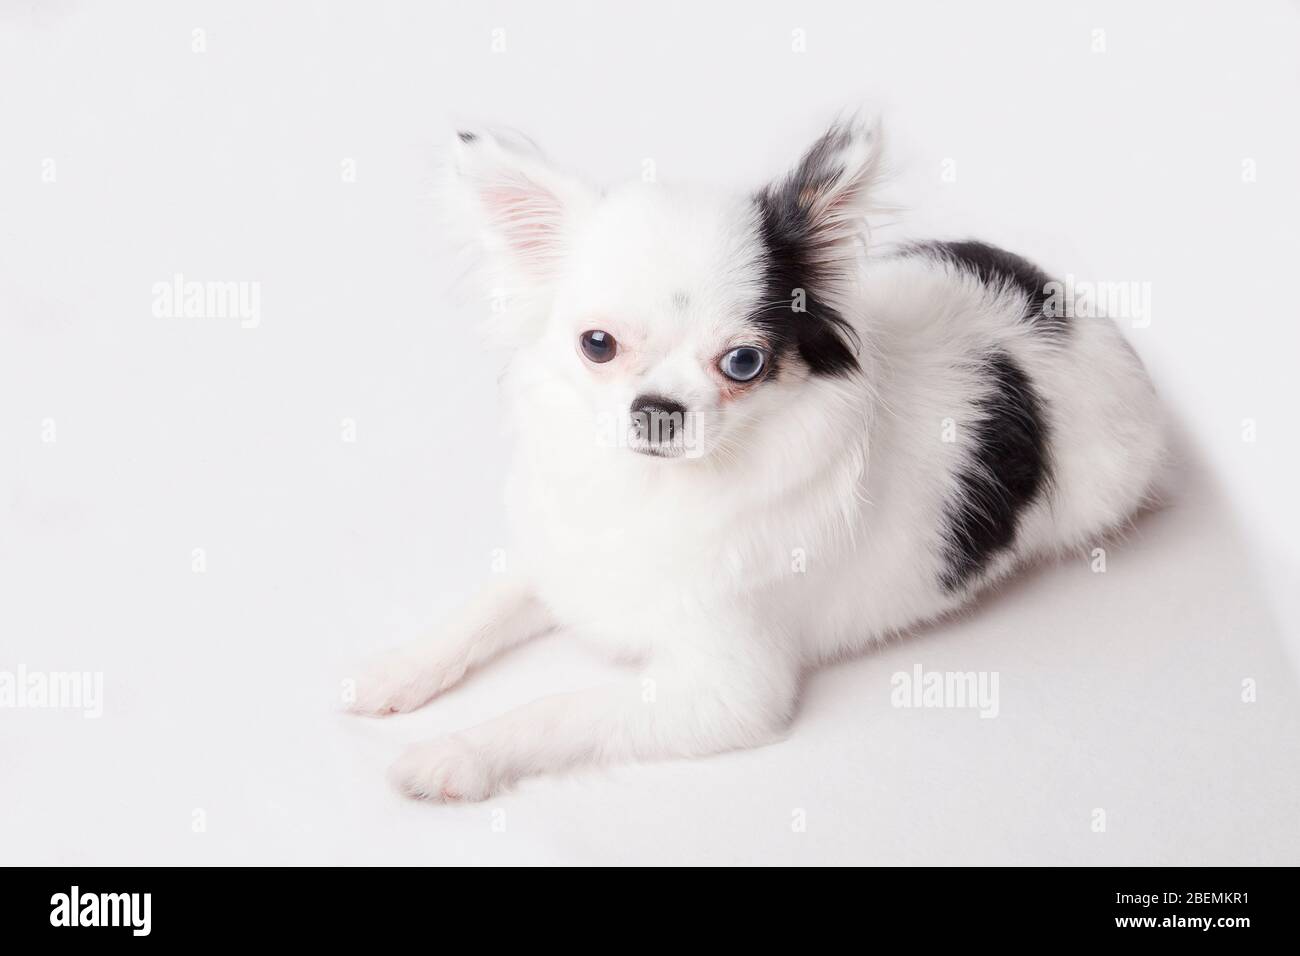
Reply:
x=521 y=211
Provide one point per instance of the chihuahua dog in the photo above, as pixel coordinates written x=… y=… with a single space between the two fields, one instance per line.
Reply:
x=746 y=445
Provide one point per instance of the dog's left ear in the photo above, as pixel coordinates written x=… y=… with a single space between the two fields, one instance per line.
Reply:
x=817 y=213
x=813 y=227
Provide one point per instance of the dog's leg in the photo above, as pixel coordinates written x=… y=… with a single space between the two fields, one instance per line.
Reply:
x=687 y=710
x=502 y=616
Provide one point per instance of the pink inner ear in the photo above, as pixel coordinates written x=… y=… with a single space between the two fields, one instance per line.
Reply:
x=527 y=216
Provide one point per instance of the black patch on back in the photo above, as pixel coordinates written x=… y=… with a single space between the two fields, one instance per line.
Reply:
x=1007 y=470
x=824 y=340
x=466 y=137
x=997 y=267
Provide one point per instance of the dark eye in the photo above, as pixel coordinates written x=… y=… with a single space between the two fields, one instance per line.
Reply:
x=598 y=346
x=742 y=364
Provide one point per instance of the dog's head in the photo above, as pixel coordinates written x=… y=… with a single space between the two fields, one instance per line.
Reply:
x=678 y=319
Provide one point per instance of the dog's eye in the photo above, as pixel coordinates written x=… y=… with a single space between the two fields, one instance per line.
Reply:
x=742 y=364
x=598 y=346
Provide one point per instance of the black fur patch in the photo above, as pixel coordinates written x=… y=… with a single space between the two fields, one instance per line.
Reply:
x=994 y=266
x=821 y=336
x=1008 y=470
x=466 y=137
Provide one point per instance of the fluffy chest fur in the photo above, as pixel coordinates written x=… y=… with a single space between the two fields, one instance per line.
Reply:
x=632 y=552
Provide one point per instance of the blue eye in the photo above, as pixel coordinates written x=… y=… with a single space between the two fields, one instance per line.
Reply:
x=742 y=364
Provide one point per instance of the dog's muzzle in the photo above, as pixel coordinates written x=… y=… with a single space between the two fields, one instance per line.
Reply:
x=658 y=422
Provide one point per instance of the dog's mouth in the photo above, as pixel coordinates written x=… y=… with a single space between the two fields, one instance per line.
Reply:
x=658 y=435
x=660 y=451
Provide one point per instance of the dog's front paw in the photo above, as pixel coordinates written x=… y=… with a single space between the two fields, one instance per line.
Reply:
x=444 y=769
x=398 y=682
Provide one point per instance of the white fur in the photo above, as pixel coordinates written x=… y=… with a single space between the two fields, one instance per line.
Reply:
x=807 y=519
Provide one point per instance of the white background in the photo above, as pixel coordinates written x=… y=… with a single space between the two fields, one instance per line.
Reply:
x=1120 y=691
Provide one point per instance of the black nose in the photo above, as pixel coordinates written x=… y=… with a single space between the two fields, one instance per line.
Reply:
x=657 y=419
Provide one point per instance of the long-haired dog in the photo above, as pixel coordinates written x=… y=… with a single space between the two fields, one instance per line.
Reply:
x=746 y=445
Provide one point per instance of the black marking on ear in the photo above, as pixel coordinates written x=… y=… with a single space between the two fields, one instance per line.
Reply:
x=796 y=257
x=1007 y=470
x=812 y=327
x=997 y=267
x=466 y=137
